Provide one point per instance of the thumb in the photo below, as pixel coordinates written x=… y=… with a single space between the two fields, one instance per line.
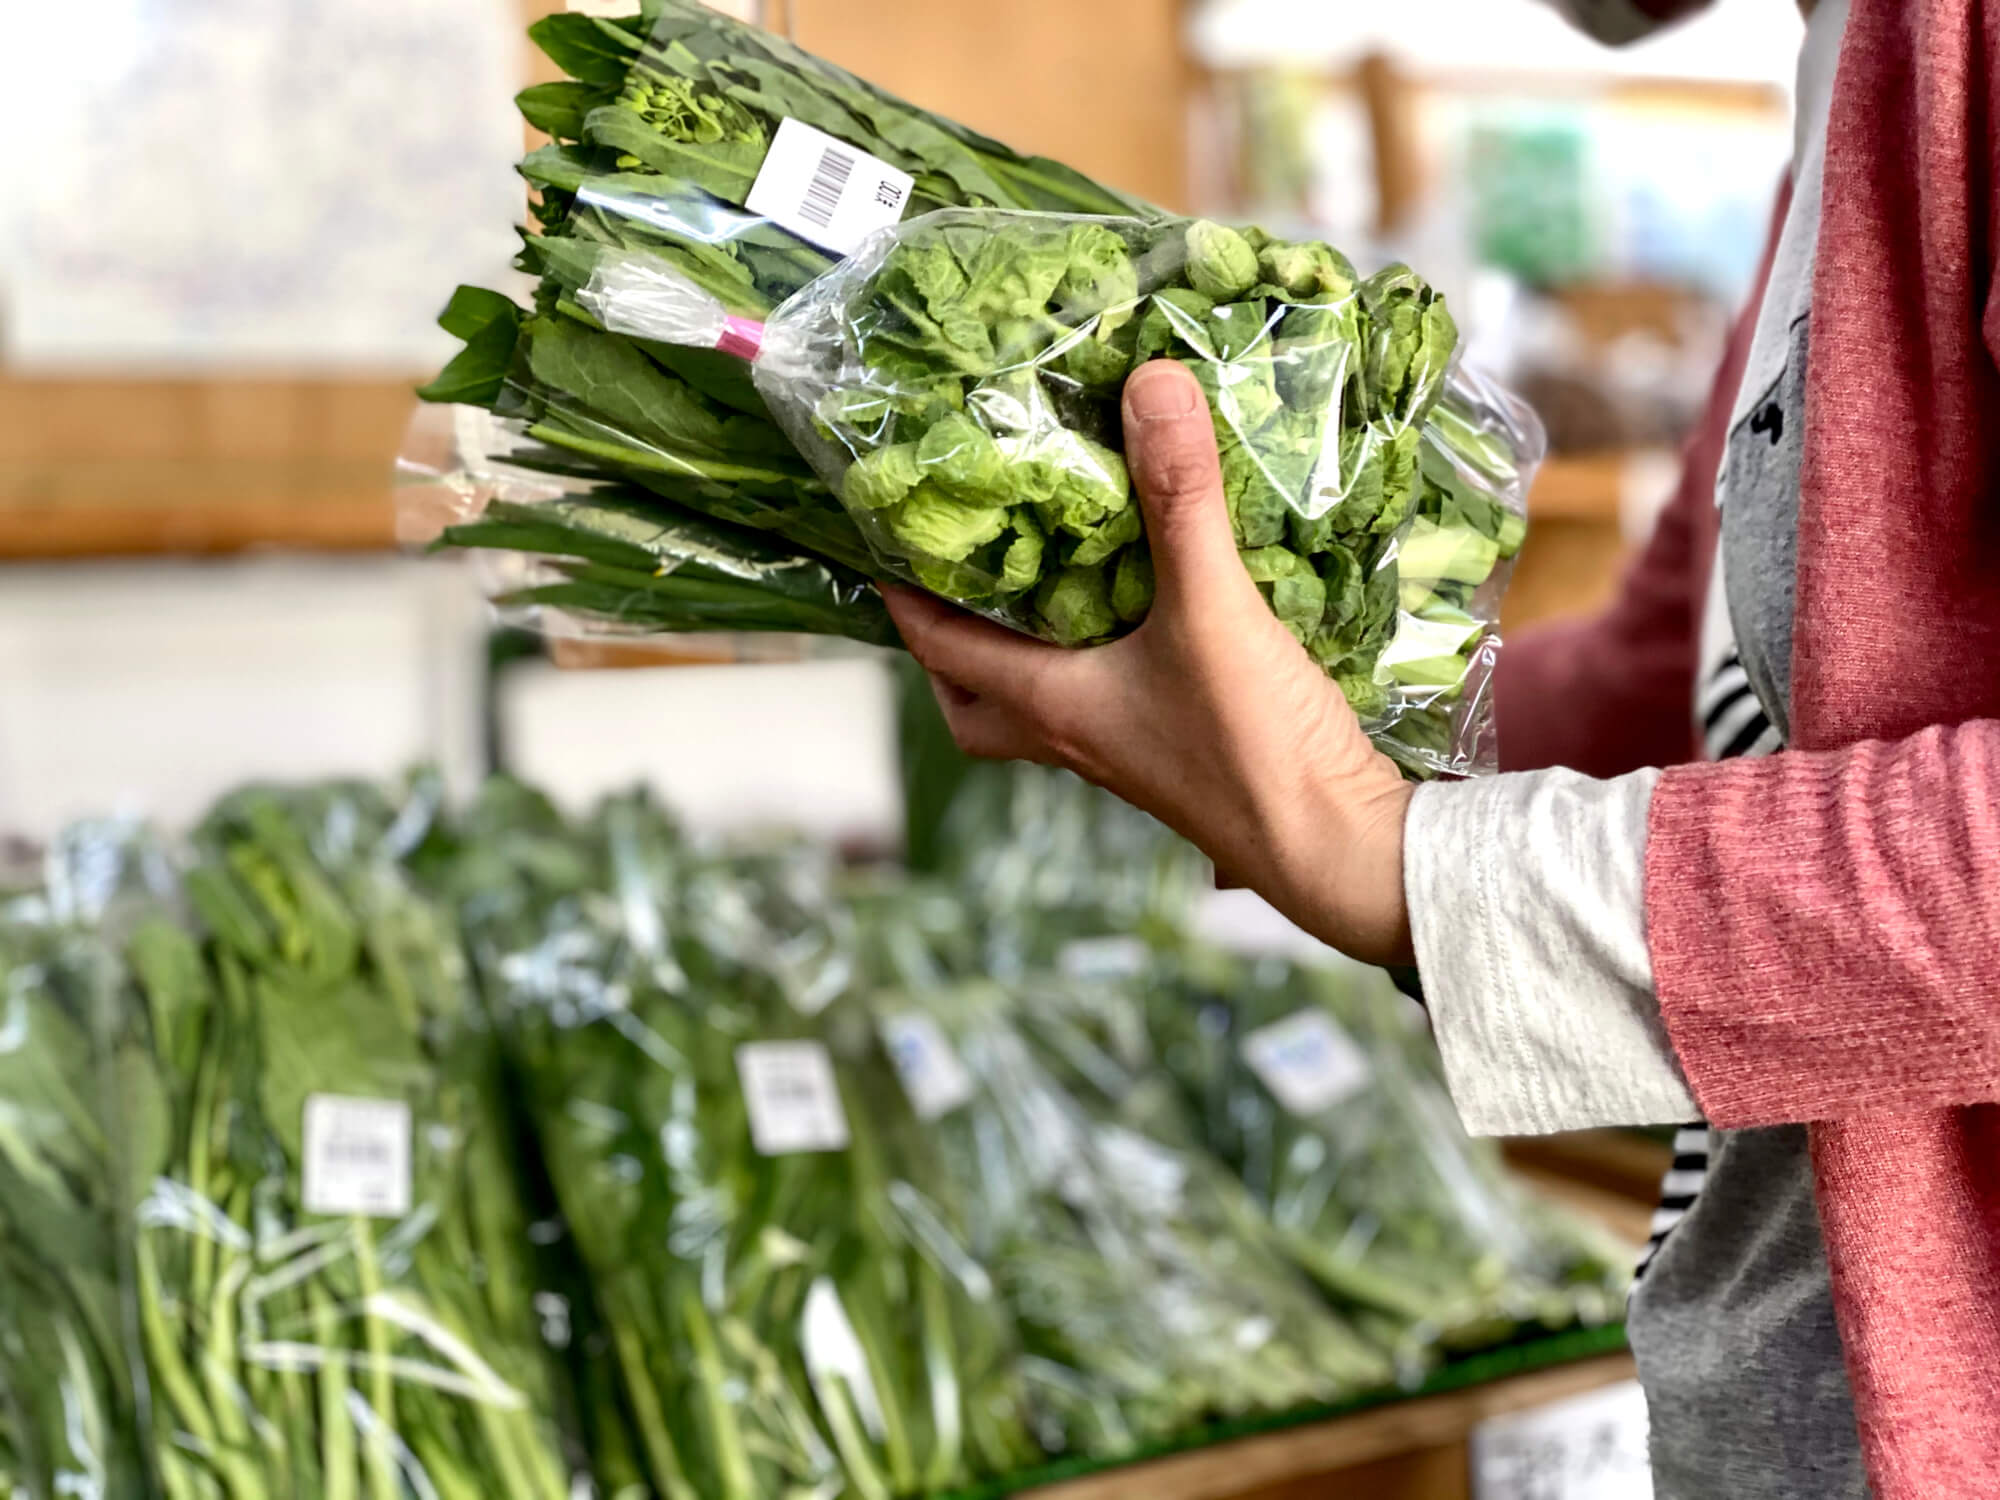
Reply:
x=1170 y=445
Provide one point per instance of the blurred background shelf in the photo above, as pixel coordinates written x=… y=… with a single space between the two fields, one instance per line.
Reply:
x=1408 y=1450
x=1617 y=1166
x=130 y=466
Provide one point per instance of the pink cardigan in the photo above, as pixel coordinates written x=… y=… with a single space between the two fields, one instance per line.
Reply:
x=1825 y=923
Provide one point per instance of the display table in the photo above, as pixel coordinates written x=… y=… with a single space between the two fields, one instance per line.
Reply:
x=1409 y=1448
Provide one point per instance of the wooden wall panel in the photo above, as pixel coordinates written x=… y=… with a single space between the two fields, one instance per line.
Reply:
x=104 y=467
x=1101 y=84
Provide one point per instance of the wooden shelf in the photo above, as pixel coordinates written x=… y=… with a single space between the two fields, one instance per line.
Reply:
x=125 y=509
x=1579 y=487
x=1408 y=1449
x=132 y=467
x=1612 y=1161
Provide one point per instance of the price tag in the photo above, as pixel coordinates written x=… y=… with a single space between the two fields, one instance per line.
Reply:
x=1103 y=958
x=793 y=1100
x=825 y=190
x=1306 y=1061
x=357 y=1156
x=1591 y=1447
x=927 y=1063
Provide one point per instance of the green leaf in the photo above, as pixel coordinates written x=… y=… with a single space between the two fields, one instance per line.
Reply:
x=565 y=168
x=490 y=324
x=727 y=169
x=474 y=309
x=612 y=377
x=584 y=48
x=558 y=109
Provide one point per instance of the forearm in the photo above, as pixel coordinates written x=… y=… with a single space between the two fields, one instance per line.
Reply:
x=1525 y=896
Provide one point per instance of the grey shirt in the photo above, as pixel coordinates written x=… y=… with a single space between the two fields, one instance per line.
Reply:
x=1527 y=908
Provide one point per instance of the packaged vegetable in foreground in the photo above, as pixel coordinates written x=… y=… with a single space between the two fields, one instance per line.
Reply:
x=941 y=406
x=957 y=384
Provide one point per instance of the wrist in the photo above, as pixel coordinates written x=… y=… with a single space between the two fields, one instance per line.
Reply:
x=1341 y=865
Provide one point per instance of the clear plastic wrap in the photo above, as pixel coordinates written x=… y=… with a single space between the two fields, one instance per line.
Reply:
x=69 y=1407
x=1308 y=1082
x=957 y=383
x=703 y=184
x=792 y=1312
x=1150 y=1295
x=325 y=1279
x=574 y=558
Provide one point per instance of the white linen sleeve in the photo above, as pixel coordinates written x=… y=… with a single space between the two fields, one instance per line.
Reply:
x=1527 y=906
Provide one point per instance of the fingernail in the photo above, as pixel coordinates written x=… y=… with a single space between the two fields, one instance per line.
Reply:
x=1160 y=396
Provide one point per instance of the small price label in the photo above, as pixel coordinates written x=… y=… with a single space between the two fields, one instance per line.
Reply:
x=825 y=190
x=933 y=1076
x=1591 y=1447
x=793 y=1100
x=357 y=1156
x=1307 y=1062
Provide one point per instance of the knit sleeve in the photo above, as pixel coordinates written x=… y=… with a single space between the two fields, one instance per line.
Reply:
x=1823 y=927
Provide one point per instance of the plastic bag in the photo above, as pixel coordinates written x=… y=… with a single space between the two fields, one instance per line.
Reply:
x=692 y=150
x=574 y=558
x=1148 y=1302
x=329 y=1278
x=791 y=1313
x=957 y=383
x=1312 y=1085
x=1150 y=1298
x=69 y=1409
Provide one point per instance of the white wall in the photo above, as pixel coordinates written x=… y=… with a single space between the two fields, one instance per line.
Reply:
x=808 y=745
x=151 y=688
x=1735 y=40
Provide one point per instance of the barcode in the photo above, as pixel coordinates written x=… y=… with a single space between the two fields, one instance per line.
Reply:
x=360 y=1151
x=829 y=181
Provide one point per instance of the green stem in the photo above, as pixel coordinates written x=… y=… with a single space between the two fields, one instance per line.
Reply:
x=336 y=1424
x=379 y=1461
x=732 y=1461
x=651 y=1420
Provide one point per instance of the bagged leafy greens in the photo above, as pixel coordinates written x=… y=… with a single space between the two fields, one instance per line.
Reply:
x=690 y=149
x=1316 y=1085
x=1148 y=1297
x=323 y=1277
x=69 y=1409
x=957 y=383
x=1313 y=1085
x=792 y=1313
x=573 y=557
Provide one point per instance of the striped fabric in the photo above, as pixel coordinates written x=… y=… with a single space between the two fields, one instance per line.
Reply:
x=1733 y=725
x=1678 y=1189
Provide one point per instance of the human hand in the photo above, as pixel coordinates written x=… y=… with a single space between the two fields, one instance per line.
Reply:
x=1209 y=716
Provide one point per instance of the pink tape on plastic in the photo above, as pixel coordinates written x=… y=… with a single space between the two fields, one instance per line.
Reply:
x=742 y=337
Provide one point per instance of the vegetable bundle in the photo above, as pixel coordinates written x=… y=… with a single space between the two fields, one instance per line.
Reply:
x=790 y=1319
x=1313 y=1087
x=958 y=382
x=1145 y=1311
x=1310 y=1083
x=324 y=1284
x=733 y=1175
x=68 y=1410
x=943 y=407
